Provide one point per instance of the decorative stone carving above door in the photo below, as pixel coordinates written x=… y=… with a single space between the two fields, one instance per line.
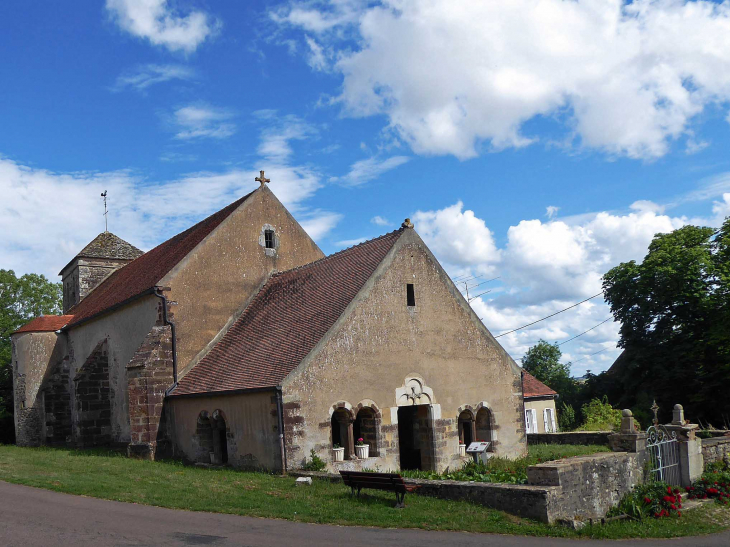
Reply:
x=413 y=392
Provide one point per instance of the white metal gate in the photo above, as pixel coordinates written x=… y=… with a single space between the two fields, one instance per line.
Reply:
x=663 y=449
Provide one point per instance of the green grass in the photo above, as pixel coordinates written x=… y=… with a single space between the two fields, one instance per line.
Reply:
x=509 y=471
x=168 y=484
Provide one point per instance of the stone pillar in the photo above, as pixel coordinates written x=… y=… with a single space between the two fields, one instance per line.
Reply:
x=691 y=463
x=627 y=439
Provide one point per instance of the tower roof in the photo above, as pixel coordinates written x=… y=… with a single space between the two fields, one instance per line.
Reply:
x=107 y=245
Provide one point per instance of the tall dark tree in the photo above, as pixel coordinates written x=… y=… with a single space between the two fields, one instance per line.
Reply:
x=21 y=299
x=674 y=309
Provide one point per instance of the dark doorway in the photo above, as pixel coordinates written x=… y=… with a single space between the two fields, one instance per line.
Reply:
x=415 y=437
x=220 y=438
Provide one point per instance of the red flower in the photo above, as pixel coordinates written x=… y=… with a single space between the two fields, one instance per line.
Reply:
x=647 y=500
x=679 y=513
x=673 y=507
x=676 y=490
x=669 y=489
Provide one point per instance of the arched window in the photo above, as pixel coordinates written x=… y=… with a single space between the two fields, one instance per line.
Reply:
x=366 y=428
x=466 y=427
x=220 y=437
x=342 y=431
x=484 y=426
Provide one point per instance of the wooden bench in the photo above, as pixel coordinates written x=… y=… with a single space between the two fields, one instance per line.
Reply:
x=390 y=482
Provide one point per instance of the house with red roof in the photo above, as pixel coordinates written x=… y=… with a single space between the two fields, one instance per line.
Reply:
x=238 y=342
x=539 y=405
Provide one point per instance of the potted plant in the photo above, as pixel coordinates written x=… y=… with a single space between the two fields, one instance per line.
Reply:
x=338 y=453
x=362 y=450
x=462 y=449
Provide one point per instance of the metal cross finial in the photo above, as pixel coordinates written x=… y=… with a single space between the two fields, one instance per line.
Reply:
x=655 y=410
x=106 y=222
x=262 y=179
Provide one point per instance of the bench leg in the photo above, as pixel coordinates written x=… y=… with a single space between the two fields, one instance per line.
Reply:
x=358 y=492
x=400 y=500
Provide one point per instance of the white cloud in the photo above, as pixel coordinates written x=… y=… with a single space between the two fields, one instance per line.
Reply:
x=275 y=141
x=351 y=242
x=145 y=76
x=380 y=221
x=551 y=211
x=721 y=209
x=625 y=78
x=317 y=59
x=203 y=121
x=156 y=21
x=319 y=223
x=457 y=237
x=368 y=169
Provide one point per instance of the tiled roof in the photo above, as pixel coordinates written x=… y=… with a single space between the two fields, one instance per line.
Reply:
x=532 y=387
x=144 y=273
x=45 y=323
x=285 y=320
x=107 y=245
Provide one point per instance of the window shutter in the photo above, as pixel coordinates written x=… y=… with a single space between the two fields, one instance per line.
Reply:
x=534 y=420
x=546 y=420
x=528 y=425
x=552 y=420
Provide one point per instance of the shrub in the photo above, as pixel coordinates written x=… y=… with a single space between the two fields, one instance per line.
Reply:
x=713 y=485
x=653 y=499
x=314 y=464
x=600 y=416
x=566 y=417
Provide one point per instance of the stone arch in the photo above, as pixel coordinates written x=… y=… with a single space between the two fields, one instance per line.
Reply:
x=342 y=405
x=219 y=428
x=204 y=436
x=367 y=425
x=466 y=422
x=485 y=425
x=341 y=425
x=414 y=391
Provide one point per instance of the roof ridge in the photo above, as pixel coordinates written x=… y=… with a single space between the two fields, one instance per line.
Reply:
x=336 y=254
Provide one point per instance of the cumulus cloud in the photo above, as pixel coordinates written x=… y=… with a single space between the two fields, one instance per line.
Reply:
x=627 y=78
x=156 y=21
x=368 y=169
x=148 y=75
x=721 y=209
x=380 y=221
x=203 y=121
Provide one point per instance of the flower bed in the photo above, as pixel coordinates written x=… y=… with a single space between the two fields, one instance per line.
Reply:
x=714 y=485
x=654 y=499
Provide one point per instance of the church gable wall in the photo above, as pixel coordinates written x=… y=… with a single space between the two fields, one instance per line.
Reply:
x=217 y=278
x=124 y=330
x=382 y=350
x=249 y=423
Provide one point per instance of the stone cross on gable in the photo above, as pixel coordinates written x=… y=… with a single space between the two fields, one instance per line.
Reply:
x=262 y=179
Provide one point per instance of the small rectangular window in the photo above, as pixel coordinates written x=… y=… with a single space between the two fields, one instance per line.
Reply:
x=269 y=239
x=410 y=295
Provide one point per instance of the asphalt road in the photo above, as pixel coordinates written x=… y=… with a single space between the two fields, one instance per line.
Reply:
x=31 y=516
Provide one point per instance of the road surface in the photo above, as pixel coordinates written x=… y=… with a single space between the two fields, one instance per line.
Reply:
x=32 y=516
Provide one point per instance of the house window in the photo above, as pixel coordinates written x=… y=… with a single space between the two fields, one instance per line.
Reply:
x=548 y=416
x=466 y=428
x=410 y=295
x=269 y=239
x=530 y=420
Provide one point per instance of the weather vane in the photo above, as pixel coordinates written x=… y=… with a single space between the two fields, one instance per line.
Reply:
x=106 y=223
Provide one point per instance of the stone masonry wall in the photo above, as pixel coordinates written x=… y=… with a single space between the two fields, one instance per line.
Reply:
x=149 y=375
x=57 y=404
x=571 y=437
x=93 y=399
x=716 y=449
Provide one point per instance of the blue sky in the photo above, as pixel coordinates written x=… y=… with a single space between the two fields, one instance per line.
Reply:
x=538 y=143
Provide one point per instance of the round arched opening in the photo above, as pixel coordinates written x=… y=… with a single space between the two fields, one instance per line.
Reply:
x=220 y=437
x=366 y=428
x=484 y=426
x=466 y=427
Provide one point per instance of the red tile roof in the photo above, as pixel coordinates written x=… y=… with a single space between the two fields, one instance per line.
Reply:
x=532 y=387
x=144 y=273
x=285 y=320
x=45 y=323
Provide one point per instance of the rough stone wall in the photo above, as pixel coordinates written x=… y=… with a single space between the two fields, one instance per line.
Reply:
x=93 y=399
x=590 y=485
x=149 y=375
x=252 y=428
x=715 y=450
x=380 y=343
x=33 y=356
x=214 y=282
x=57 y=404
x=83 y=275
x=570 y=437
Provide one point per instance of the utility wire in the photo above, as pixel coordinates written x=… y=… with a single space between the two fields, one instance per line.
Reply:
x=585 y=331
x=587 y=356
x=549 y=316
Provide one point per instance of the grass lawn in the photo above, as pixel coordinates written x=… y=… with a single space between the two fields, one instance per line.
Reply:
x=168 y=484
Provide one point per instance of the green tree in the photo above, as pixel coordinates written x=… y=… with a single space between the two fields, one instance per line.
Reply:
x=543 y=361
x=21 y=299
x=674 y=310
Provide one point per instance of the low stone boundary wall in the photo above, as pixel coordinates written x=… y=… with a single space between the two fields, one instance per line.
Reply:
x=570 y=437
x=584 y=487
x=715 y=449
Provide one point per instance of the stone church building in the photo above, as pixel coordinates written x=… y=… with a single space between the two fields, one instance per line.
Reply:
x=239 y=342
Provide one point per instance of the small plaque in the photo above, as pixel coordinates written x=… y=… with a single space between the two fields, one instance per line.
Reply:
x=478 y=447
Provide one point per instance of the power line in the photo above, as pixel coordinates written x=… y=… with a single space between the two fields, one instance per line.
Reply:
x=585 y=331
x=549 y=316
x=587 y=356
